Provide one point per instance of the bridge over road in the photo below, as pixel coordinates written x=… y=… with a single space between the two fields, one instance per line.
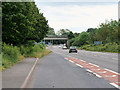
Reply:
x=55 y=39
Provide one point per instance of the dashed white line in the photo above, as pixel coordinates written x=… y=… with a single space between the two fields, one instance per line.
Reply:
x=110 y=76
x=115 y=85
x=82 y=60
x=112 y=71
x=97 y=75
x=89 y=70
x=71 y=61
x=94 y=64
x=102 y=72
x=79 y=65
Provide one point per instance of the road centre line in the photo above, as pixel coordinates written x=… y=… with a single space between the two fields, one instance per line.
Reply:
x=117 y=86
x=88 y=70
x=94 y=64
x=102 y=72
x=71 y=61
x=112 y=71
x=96 y=73
x=79 y=65
x=110 y=76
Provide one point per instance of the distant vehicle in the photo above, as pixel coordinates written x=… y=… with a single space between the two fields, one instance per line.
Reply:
x=60 y=46
x=64 y=47
x=73 y=49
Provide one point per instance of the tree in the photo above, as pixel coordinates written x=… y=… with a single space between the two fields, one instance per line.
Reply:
x=63 y=32
x=81 y=39
x=51 y=31
x=22 y=23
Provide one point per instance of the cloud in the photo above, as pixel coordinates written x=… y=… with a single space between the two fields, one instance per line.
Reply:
x=77 y=17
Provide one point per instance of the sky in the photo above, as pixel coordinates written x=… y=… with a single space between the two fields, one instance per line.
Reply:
x=78 y=16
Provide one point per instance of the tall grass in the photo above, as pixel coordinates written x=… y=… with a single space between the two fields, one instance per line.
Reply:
x=13 y=54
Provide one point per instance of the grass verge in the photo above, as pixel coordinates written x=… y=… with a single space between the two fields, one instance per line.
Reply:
x=13 y=54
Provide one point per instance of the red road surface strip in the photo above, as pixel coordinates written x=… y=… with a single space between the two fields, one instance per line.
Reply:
x=104 y=73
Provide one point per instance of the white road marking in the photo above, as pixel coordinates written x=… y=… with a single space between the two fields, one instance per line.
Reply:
x=110 y=76
x=102 y=72
x=115 y=85
x=82 y=60
x=29 y=75
x=94 y=64
x=112 y=71
x=97 y=75
x=79 y=65
x=71 y=61
x=96 y=69
x=89 y=70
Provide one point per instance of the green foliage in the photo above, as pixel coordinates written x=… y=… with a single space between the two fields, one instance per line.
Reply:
x=22 y=23
x=51 y=31
x=81 y=39
x=108 y=47
x=106 y=32
x=10 y=55
x=29 y=50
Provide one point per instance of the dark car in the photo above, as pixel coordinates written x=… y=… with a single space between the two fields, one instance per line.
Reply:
x=73 y=49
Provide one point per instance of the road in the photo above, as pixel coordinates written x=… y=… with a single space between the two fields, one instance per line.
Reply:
x=55 y=71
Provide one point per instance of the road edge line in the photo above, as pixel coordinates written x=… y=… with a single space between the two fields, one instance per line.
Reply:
x=29 y=74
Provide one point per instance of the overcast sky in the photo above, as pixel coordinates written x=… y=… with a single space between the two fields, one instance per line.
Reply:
x=78 y=16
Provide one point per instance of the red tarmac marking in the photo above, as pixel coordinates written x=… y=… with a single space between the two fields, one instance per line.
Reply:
x=108 y=75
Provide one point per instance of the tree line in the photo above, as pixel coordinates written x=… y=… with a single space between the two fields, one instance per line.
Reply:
x=22 y=23
x=107 y=32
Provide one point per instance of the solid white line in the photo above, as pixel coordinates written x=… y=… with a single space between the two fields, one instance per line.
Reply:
x=95 y=69
x=79 y=65
x=71 y=61
x=89 y=70
x=102 y=72
x=28 y=76
x=94 y=64
x=82 y=60
x=66 y=58
x=115 y=85
x=112 y=71
x=97 y=75
x=110 y=76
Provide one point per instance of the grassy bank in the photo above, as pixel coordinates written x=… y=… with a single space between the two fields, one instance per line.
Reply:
x=13 y=54
x=108 y=47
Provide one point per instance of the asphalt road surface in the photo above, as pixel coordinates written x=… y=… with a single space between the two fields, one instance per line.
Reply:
x=54 y=71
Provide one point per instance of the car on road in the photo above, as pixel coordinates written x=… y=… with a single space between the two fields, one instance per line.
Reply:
x=73 y=49
x=59 y=46
x=64 y=47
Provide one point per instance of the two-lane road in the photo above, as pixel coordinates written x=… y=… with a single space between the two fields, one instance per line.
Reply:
x=54 y=71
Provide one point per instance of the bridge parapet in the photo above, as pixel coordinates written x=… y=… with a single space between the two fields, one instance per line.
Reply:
x=57 y=36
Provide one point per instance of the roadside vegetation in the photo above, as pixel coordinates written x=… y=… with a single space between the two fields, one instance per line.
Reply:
x=22 y=26
x=13 y=54
x=107 y=33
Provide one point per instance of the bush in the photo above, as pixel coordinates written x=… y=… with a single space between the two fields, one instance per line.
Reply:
x=29 y=50
x=108 y=47
x=11 y=53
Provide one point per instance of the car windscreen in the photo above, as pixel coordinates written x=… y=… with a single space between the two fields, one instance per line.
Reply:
x=72 y=47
